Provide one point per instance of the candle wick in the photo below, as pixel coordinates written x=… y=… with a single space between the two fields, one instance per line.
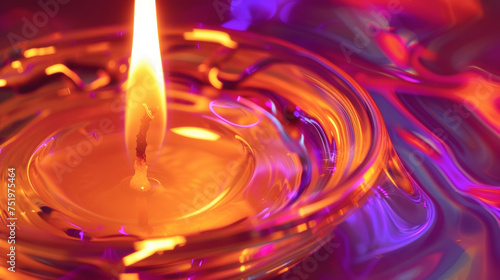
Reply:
x=140 y=178
x=140 y=150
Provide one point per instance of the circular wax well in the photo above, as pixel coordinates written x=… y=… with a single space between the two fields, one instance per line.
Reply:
x=203 y=177
x=268 y=147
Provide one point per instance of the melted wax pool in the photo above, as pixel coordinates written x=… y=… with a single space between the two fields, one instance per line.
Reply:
x=264 y=156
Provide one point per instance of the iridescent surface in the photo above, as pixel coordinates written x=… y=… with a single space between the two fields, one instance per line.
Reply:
x=432 y=68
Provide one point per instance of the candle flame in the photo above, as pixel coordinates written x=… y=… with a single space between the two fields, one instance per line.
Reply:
x=145 y=80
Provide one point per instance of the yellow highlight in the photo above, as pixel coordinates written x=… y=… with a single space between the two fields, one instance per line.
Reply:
x=61 y=68
x=337 y=131
x=211 y=36
x=39 y=52
x=3 y=82
x=244 y=256
x=196 y=133
x=147 y=248
x=212 y=77
x=16 y=64
x=368 y=176
x=129 y=276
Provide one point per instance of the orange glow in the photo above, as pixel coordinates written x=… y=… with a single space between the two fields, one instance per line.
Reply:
x=417 y=142
x=394 y=48
x=63 y=69
x=98 y=47
x=211 y=36
x=16 y=64
x=369 y=175
x=123 y=68
x=212 y=77
x=145 y=80
x=244 y=256
x=111 y=64
x=283 y=270
x=38 y=52
x=64 y=92
x=301 y=227
x=3 y=82
x=129 y=276
x=103 y=79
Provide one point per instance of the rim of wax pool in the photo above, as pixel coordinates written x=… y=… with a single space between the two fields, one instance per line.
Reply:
x=313 y=100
